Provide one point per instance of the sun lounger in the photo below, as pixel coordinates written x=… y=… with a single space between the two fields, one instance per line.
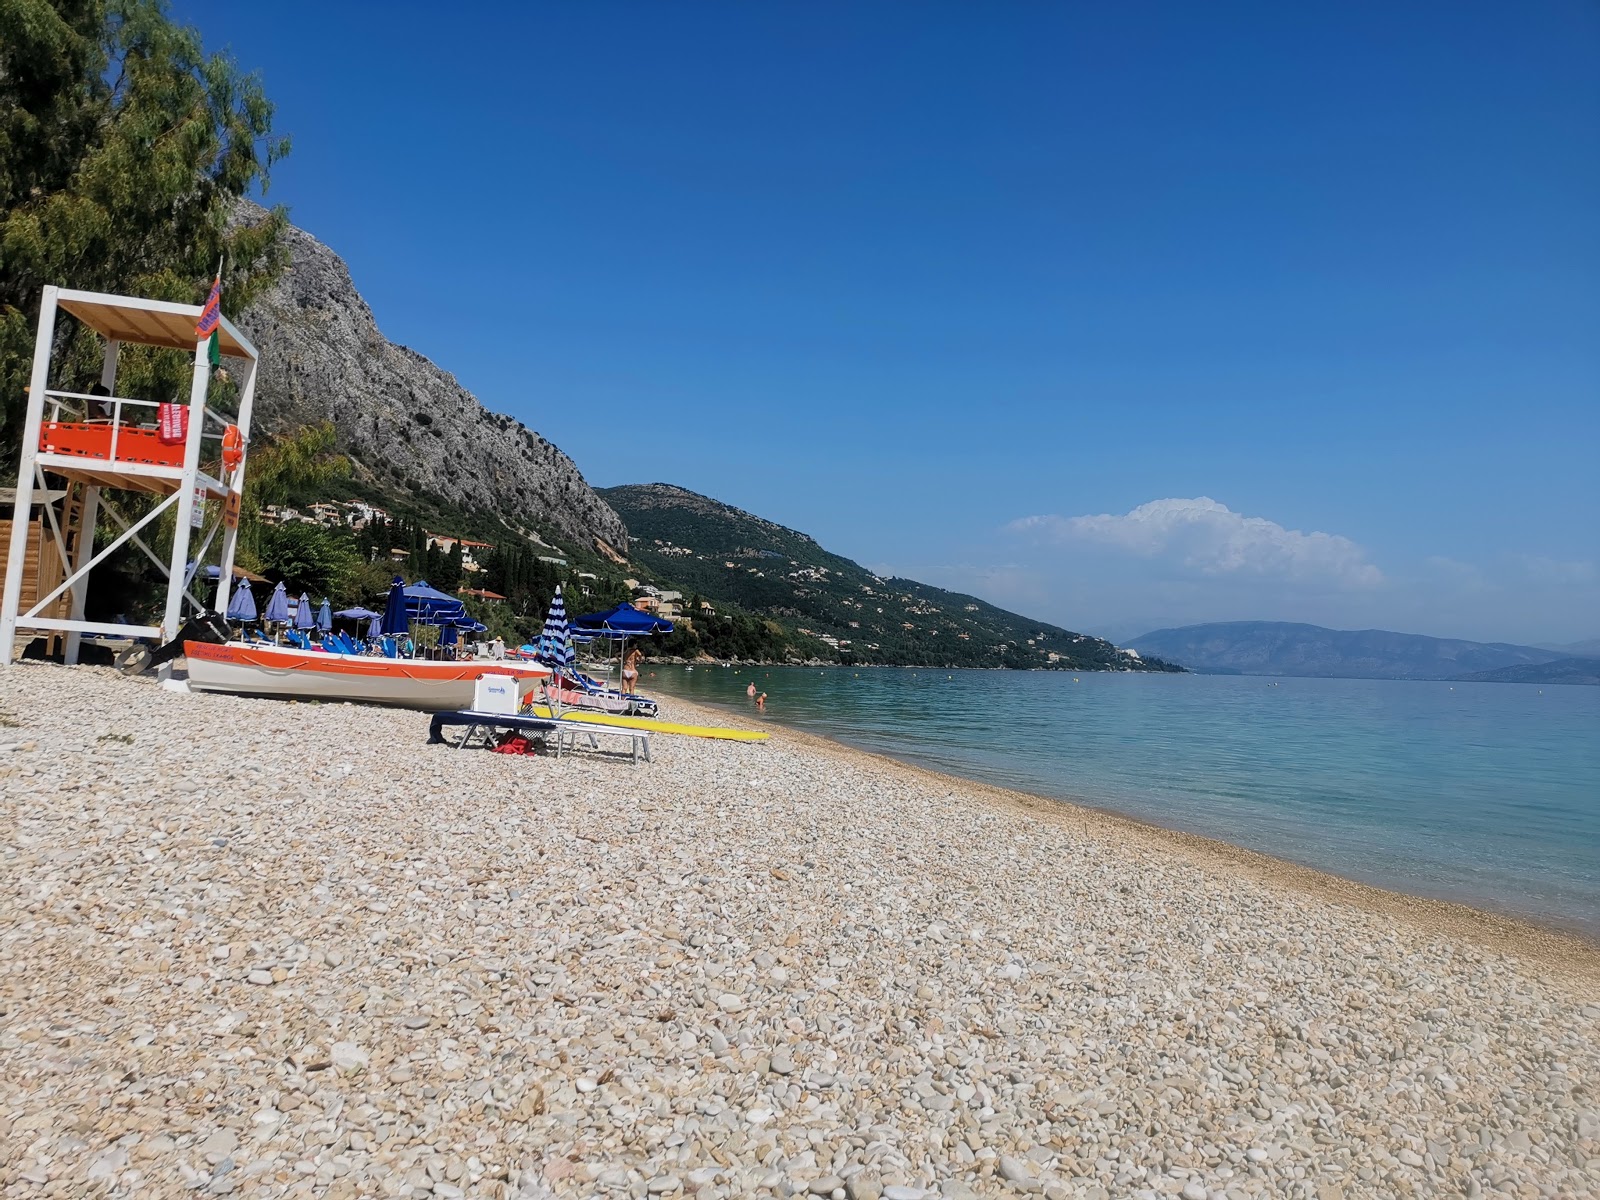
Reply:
x=489 y=723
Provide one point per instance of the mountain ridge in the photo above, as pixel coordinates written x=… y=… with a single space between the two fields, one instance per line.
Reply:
x=408 y=427
x=1291 y=648
x=727 y=554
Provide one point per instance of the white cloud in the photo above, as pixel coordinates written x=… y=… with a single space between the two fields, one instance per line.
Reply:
x=1211 y=538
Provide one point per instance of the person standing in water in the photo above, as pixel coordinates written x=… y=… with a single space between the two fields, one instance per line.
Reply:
x=751 y=691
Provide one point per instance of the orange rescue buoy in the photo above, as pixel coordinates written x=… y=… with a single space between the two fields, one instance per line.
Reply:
x=232 y=447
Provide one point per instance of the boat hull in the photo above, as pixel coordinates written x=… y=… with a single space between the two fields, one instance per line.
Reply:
x=315 y=675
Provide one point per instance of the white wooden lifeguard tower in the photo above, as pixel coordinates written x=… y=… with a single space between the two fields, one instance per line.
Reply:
x=79 y=450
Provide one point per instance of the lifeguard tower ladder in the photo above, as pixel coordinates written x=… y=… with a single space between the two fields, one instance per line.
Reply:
x=79 y=448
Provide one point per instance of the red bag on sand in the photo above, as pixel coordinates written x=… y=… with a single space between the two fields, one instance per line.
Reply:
x=515 y=744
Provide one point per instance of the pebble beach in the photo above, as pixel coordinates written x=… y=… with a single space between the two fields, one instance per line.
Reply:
x=259 y=948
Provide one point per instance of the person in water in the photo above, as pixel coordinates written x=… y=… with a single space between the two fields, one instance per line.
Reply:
x=761 y=702
x=630 y=669
x=751 y=691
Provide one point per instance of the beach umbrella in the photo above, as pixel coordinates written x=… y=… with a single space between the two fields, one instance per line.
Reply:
x=623 y=621
x=356 y=614
x=277 y=606
x=448 y=636
x=375 y=630
x=619 y=624
x=429 y=606
x=396 y=620
x=304 y=617
x=242 y=605
x=325 y=617
x=555 y=640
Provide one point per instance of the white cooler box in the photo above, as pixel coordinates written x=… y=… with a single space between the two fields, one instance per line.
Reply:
x=496 y=694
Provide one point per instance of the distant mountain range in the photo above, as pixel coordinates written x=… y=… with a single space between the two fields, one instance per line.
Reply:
x=1585 y=649
x=713 y=551
x=1285 y=648
x=1562 y=670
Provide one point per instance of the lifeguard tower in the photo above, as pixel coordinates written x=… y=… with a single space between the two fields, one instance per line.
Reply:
x=83 y=453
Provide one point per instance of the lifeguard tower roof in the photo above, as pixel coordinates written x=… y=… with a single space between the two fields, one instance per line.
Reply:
x=149 y=322
x=82 y=450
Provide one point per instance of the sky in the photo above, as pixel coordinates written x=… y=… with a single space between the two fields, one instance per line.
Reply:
x=1122 y=316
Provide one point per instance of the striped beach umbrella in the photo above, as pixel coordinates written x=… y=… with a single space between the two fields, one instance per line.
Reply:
x=555 y=641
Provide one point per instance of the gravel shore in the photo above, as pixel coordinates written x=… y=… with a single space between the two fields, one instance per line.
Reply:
x=257 y=948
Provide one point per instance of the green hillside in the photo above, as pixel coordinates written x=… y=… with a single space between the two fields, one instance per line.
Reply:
x=708 y=549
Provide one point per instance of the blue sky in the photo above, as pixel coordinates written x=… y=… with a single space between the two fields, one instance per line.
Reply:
x=1121 y=315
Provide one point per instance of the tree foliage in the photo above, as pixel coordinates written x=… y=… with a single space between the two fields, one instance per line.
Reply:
x=124 y=152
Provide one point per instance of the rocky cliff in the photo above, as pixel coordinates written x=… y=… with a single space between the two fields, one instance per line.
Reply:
x=406 y=424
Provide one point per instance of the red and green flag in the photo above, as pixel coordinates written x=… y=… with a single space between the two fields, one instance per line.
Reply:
x=211 y=319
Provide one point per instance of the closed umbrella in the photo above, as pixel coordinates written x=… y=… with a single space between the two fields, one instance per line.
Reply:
x=555 y=644
x=448 y=636
x=325 y=617
x=555 y=640
x=242 y=605
x=396 y=621
x=375 y=629
x=304 y=616
x=277 y=606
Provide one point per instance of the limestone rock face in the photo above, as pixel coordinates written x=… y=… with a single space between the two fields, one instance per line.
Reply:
x=403 y=421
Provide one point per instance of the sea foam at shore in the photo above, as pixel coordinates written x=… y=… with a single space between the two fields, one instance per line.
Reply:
x=257 y=948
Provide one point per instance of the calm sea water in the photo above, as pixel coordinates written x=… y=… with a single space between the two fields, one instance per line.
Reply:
x=1485 y=793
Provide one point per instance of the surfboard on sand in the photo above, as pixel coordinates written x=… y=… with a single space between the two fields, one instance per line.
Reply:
x=651 y=724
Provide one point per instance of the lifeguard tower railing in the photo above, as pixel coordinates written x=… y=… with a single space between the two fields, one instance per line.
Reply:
x=78 y=448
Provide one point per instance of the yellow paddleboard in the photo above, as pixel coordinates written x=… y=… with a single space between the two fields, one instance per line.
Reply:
x=651 y=724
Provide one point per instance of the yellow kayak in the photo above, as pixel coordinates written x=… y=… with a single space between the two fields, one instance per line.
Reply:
x=651 y=724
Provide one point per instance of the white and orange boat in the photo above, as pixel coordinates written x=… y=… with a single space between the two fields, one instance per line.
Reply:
x=253 y=670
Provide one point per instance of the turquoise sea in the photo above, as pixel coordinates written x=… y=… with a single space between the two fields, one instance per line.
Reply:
x=1484 y=793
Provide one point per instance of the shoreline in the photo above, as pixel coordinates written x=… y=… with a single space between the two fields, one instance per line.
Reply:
x=1568 y=948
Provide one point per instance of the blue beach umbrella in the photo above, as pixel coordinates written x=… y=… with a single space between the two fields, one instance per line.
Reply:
x=304 y=617
x=429 y=606
x=356 y=614
x=623 y=621
x=277 y=606
x=325 y=617
x=375 y=629
x=242 y=605
x=448 y=636
x=555 y=641
x=619 y=624
x=396 y=621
